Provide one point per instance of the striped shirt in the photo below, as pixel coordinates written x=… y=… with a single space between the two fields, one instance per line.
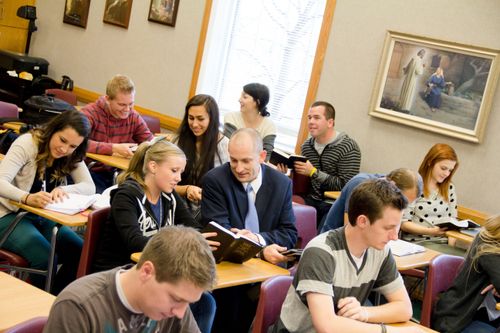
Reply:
x=107 y=130
x=337 y=164
x=327 y=267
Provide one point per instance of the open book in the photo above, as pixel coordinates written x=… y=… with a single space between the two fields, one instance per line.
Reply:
x=452 y=223
x=278 y=156
x=401 y=248
x=233 y=248
x=73 y=204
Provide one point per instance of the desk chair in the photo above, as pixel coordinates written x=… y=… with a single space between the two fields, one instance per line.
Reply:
x=65 y=95
x=153 y=123
x=95 y=222
x=272 y=295
x=442 y=271
x=305 y=222
x=301 y=186
x=16 y=264
x=8 y=110
x=9 y=261
x=34 y=325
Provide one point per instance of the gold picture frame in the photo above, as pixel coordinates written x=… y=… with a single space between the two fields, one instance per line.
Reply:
x=163 y=11
x=117 y=12
x=439 y=86
x=76 y=12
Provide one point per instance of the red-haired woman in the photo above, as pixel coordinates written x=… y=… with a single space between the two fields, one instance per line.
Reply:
x=438 y=200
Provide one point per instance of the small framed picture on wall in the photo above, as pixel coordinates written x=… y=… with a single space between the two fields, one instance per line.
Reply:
x=76 y=12
x=117 y=12
x=163 y=11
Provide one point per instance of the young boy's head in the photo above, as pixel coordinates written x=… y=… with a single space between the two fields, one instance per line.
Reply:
x=376 y=208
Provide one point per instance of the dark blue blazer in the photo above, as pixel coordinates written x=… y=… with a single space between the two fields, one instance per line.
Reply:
x=224 y=201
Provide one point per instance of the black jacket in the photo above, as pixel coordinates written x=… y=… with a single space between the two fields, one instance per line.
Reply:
x=131 y=223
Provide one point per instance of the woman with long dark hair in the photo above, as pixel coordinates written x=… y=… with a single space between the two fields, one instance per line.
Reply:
x=34 y=172
x=205 y=147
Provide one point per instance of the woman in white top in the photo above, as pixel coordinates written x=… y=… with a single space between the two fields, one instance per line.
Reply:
x=34 y=172
x=253 y=114
x=205 y=147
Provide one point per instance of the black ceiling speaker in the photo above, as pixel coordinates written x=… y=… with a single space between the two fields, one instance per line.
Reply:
x=29 y=13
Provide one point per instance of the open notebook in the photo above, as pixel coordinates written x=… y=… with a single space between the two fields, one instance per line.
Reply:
x=403 y=248
x=73 y=204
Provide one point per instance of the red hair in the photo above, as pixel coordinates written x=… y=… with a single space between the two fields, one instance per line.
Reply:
x=438 y=153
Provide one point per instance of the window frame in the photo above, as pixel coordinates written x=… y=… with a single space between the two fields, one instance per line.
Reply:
x=315 y=71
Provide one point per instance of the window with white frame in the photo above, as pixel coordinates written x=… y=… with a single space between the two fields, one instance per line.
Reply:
x=272 y=42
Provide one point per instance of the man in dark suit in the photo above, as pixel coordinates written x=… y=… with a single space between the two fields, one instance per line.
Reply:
x=227 y=200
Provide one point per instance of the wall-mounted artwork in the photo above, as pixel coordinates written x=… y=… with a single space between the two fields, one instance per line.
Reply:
x=117 y=12
x=76 y=12
x=163 y=11
x=439 y=86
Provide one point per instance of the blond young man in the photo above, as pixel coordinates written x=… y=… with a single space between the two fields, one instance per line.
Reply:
x=115 y=126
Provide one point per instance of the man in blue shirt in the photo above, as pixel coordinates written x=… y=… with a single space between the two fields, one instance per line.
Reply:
x=408 y=181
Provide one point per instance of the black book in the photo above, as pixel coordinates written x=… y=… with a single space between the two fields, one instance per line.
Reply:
x=233 y=248
x=453 y=224
x=278 y=156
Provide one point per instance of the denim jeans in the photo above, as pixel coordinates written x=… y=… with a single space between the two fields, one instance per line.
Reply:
x=31 y=240
x=102 y=179
x=478 y=326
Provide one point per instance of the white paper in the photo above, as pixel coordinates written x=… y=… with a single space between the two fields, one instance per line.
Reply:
x=73 y=204
x=403 y=248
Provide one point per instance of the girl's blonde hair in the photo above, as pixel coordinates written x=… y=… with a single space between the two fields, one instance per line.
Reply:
x=490 y=237
x=157 y=150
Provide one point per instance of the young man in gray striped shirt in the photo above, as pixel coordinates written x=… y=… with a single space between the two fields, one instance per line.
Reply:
x=333 y=158
x=340 y=268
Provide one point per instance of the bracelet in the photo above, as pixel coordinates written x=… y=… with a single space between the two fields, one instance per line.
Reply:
x=313 y=171
x=187 y=188
x=383 y=327
x=26 y=199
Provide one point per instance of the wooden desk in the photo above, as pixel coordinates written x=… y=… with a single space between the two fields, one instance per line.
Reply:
x=332 y=194
x=412 y=324
x=64 y=219
x=61 y=219
x=460 y=236
x=418 y=260
x=114 y=161
x=20 y=301
x=230 y=275
x=464 y=213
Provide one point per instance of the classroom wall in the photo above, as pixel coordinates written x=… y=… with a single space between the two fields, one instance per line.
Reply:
x=160 y=59
x=348 y=79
